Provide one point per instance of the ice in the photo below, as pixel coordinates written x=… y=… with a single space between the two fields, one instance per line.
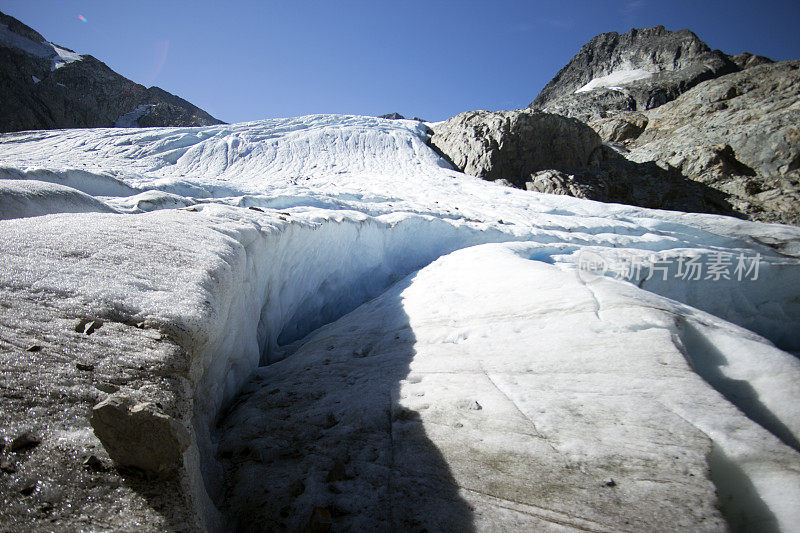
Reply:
x=128 y=120
x=616 y=78
x=30 y=198
x=338 y=258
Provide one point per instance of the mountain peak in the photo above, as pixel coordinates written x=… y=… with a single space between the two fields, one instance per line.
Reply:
x=48 y=86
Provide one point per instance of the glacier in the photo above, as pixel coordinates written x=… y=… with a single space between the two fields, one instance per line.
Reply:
x=343 y=324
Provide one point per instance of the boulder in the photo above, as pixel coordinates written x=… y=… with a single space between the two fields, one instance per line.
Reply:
x=139 y=435
x=512 y=145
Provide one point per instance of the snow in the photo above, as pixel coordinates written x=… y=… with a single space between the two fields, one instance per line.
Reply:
x=615 y=79
x=29 y=198
x=35 y=79
x=338 y=258
x=45 y=50
x=128 y=120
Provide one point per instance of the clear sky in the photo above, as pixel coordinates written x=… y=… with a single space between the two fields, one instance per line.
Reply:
x=247 y=60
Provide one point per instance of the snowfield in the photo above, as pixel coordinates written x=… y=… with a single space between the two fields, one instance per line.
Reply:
x=616 y=79
x=340 y=328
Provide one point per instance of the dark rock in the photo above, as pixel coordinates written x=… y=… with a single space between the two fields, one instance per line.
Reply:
x=87 y=327
x=337 y=473
x=27 y=488
x=610 y=482
x=393 y=116
x=84 y=367
x=33 y=348
x=109 y=388
x=297 y=488
x=615 y=179
x=320 y=520
x=512 y=145
x=24 y=441
x=79 y=94
x=93 y=463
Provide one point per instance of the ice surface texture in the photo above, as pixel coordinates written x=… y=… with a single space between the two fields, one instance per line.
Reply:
x=238 y=243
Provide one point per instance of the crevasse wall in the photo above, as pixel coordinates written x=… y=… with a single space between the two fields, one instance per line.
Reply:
x=285 y=281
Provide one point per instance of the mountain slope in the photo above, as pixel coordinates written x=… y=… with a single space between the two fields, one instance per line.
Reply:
x=45 y=86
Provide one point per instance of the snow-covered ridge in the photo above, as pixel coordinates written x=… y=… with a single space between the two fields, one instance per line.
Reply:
x=615 y=79
x=46 y=50
x=289 y=224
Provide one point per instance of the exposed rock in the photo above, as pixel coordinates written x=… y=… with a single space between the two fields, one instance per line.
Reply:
x=512 y=145
x=139 y=435
x=615 y=179
x=667 y=64
x=40 y=90
x=620 y=128
x=747 y=60
x=24 y=441
x=393 y=116
x=738 y=134
x=320 y=520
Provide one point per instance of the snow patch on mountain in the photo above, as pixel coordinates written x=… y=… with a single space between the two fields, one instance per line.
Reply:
x=46 y=50
x=128 y=120
x=615 y=79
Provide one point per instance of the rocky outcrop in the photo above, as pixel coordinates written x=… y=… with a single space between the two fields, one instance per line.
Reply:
x=638 y=70
x=45 y=86
x=738 y=134
x=512 y=145
x=614 y=179
x=747 y=60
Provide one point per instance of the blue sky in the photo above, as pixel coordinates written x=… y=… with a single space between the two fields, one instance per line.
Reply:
x=247 y=60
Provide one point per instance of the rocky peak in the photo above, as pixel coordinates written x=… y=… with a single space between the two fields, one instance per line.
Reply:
x=18 y=28
x=47 y=86
x=638 y=70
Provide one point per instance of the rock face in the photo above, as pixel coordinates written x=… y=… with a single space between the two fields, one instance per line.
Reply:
x=511 y=145
x=638 y=70
x=738 y=134
x=615 y=179
x=45 y=86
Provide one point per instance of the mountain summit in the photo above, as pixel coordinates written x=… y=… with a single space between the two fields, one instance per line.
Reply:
x=638 y=70
x=46 y=86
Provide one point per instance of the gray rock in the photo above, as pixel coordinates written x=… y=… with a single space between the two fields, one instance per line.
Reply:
x=747 y=60
x=512 y=145
x=737 y=134
x=139 y=435
x=623 y=127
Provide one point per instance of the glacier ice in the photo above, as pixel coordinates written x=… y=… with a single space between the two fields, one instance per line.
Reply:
x=338 y=258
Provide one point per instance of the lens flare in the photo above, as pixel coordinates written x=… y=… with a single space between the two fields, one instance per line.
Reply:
x=82 y=18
